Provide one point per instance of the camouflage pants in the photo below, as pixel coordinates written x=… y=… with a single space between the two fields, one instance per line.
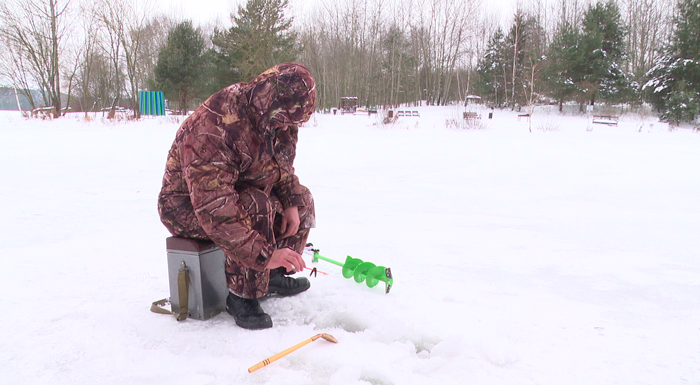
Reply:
x=266 y=216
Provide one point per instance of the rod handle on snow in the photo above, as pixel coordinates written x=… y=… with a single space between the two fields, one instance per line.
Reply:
x=283 y=353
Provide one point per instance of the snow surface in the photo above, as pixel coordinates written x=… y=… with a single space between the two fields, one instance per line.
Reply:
x=569 y=255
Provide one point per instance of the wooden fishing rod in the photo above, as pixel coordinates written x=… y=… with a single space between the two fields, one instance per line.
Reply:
x=281 y=354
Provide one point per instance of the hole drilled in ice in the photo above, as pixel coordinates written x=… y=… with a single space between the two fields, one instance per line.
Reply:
x=341 y=320
x=396 y=330
x=425 y=344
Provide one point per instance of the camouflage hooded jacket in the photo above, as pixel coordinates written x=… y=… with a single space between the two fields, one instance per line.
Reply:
x=230 y=143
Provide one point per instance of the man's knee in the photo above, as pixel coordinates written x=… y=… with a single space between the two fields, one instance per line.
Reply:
x=255 y=201
x=307 y=213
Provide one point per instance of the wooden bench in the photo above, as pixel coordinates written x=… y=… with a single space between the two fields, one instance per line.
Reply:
x=44 y=112
x=468 y=115
x=608 y=120
x=523 y=116
x=118 y=111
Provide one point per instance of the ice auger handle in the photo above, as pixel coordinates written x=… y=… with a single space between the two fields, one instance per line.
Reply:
x=359 y=270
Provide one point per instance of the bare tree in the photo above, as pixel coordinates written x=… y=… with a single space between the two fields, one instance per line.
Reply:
x=443 y=31
x=396 y=58
x=650 y=25
x=476 y=48
x=571 y=12
x=154 y=37
x=126 y=25
x=530 y=94
x=34 y=31
x=13 y=67
x=343 y=44
x=86 y=57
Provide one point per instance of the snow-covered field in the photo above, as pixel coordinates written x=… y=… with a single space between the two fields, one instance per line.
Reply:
x=569 y=255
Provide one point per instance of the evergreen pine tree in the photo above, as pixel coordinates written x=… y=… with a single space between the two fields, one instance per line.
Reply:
x=260 y=37
x=603 y=42
x=492 y=70
x=563 y=65
x=674 y=84
x=686 y=39
x=178 y=71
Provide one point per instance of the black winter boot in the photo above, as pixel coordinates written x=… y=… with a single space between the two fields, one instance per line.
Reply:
x=285 y=286
x=247 y=312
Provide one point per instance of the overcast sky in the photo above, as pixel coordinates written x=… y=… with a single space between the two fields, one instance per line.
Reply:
x=206 y=11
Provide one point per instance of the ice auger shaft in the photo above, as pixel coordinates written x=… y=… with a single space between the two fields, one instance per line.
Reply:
x=358 y=269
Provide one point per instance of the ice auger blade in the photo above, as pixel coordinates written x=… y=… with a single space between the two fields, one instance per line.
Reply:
x=359 y=269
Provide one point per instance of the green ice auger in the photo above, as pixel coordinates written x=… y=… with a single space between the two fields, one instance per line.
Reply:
x=360 y=270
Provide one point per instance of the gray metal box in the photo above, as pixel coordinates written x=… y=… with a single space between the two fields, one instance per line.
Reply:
x=207 y=278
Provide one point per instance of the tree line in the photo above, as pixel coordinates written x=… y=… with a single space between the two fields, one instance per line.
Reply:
x=646 y=52
x=98 y=54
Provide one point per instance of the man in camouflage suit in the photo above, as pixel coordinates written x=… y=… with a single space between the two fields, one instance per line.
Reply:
x=229 y=179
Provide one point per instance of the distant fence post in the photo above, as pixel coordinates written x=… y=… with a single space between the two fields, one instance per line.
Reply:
x=151 y=103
